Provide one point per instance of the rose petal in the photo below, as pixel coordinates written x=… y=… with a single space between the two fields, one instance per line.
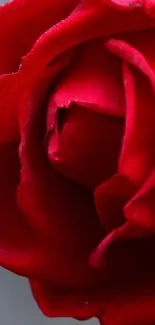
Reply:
x=136 y=162
x=79 y=149
x=95 y=20
x=27 y=20
x=93 y=79
x=18 y=244
x=141 y=208
x=72 y=229
x=139 y=43
x=130 y=276
x=131 y=309
x=21 y=21
x=9 y=178
x=78 y=132
x=87 y=22
x=58 y=302
x=52 y=204
x=10 y=92
x=110 y=198
x=129 y=230
x=138 y=155
x=131 y=265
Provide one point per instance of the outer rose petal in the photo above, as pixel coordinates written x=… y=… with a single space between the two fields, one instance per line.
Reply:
x=132 y=278
x=17 y=240
x=55 y=302
x=9 y=178
x=10 y=93
x=131 y=309
x=131 y=265
x=22 y=22
x=87 y=22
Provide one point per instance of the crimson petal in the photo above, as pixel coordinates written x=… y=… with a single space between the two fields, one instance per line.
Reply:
x=52 y=204
x=18 y=243
x=136 y=161
x=22 y=23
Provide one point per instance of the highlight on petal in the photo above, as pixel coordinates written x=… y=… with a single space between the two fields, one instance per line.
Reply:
x=138 y=154
x=133 y=56
x=150 y=7
x=137 y=48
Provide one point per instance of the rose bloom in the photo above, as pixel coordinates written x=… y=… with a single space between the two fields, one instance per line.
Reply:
x=77 y=155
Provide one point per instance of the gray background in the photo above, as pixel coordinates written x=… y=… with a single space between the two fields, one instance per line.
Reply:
x=17 y=306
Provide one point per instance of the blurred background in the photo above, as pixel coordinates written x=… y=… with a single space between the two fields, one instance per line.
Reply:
x=17 y=306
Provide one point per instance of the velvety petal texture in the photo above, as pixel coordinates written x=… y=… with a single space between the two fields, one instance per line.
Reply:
x=22 y=23
x=77 y=155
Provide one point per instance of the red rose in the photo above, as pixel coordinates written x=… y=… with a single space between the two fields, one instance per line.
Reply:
x=77 y=155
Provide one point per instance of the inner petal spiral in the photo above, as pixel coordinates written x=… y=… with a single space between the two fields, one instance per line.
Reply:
x=85 y=116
